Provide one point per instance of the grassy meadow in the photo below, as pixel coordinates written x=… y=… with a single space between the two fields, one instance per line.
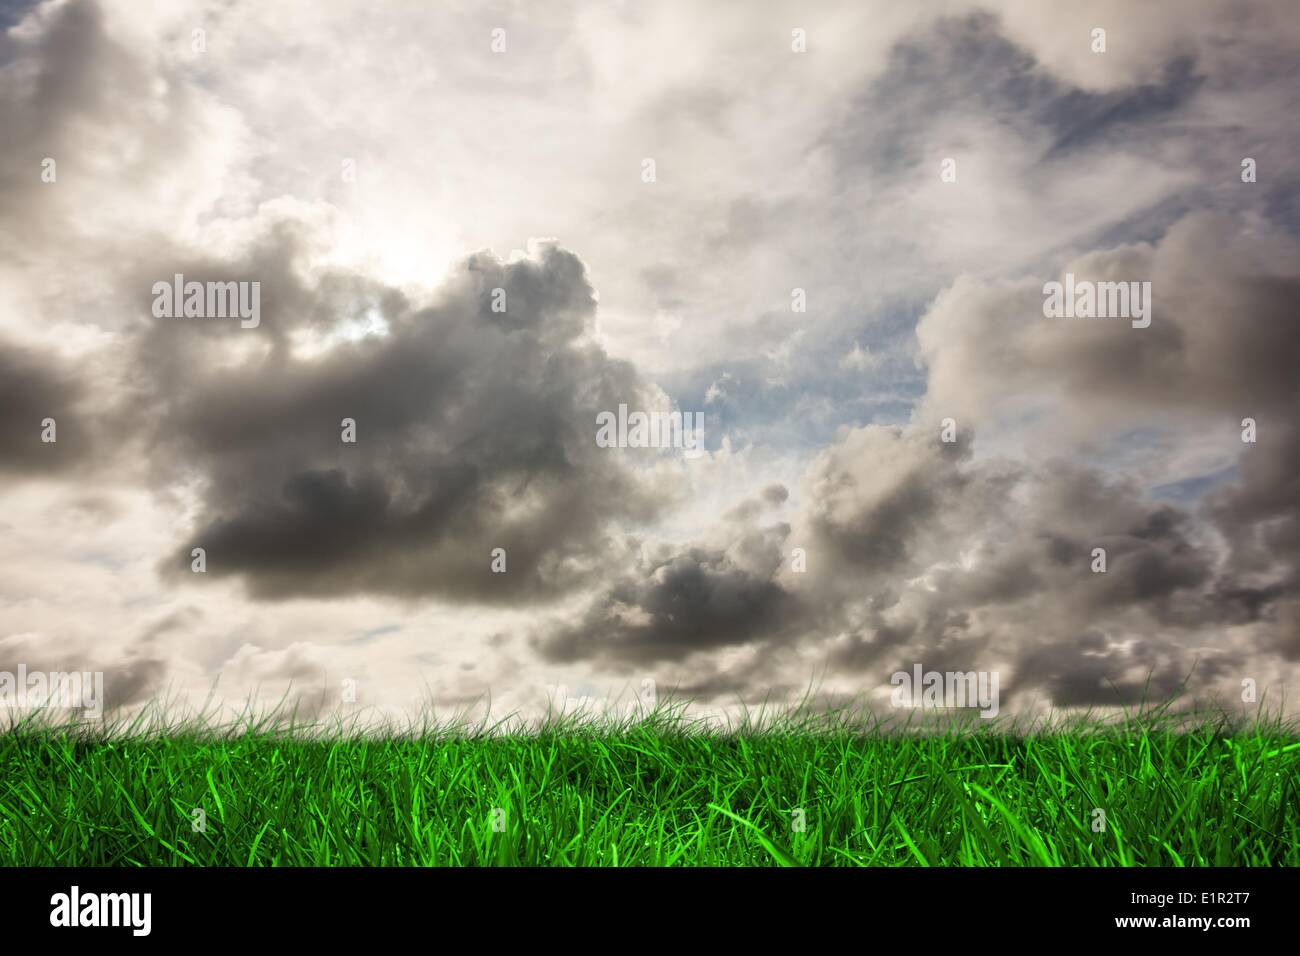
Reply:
x=658 y=792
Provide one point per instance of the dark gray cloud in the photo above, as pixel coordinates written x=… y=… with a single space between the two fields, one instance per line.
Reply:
x=475 y=430
x=693 y=602
x=1088 y=671
x=36 y=386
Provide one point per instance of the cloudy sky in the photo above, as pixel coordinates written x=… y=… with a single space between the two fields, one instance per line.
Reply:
x=827 y=227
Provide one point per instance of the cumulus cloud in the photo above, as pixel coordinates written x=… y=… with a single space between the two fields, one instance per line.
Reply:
x=919 y=550
x=475 y=431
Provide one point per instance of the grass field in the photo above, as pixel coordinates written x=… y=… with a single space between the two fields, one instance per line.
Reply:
x=656 y=793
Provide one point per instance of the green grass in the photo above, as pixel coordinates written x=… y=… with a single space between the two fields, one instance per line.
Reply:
x=663 y=792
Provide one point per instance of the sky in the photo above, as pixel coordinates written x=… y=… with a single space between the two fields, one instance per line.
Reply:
x=828 y=228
